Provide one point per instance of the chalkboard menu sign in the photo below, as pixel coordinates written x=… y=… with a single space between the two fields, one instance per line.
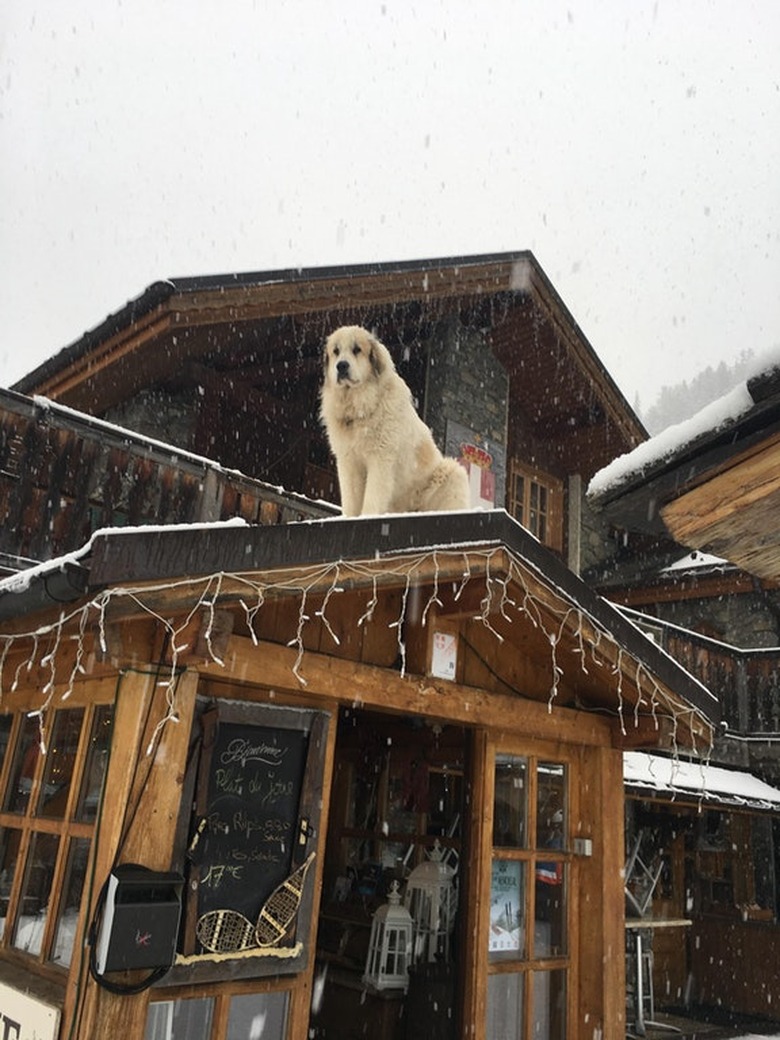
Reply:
x=249 y=825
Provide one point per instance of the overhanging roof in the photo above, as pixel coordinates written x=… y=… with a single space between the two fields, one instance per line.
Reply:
x=178 y=320
x=161 y=556
x=324 y=281
x=711 y=482
x=696 y=781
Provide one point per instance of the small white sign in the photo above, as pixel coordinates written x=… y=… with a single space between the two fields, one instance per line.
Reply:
x=24 y=1018
x=444 y=656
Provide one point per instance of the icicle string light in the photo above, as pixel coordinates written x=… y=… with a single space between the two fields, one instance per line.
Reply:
x=552 y=616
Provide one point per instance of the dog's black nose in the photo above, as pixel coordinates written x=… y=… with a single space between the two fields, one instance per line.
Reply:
x=342 y=369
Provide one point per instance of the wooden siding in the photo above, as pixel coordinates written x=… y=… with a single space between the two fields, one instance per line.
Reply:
x=745 y=681
x=62 y=477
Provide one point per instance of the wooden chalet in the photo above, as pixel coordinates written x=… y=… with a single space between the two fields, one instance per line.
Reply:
x=712 y=487
x=450 y=691
x=267 y=727
x=228 y=367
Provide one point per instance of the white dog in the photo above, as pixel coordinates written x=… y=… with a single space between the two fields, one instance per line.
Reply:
x=386 y=457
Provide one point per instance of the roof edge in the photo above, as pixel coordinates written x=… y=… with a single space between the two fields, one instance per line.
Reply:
x=124 y=555
x=161 y=292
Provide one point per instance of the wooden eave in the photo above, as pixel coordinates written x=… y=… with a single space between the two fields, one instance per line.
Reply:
x=734 y=512
x=176 y=323
x=684 y=586
x=520 y=610
x=748 y=446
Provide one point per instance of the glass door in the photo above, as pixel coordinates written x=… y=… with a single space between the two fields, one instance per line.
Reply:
x=530 y=896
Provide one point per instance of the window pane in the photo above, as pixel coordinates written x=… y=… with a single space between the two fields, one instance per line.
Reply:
x=509 y=805
x=6 y=721
x=505 y=1007
x=179 y=1019
x=75 y=873
x=550 y=805
x=550 y=911
x=59 y=763
x=541 y=527
x=763 y=862
x=9 y=856
x=535 y=489
x=21 y=780
x=507 y=910
x=518 y=501
x=549 y=1006
x=95 y=766
x=34 y=906
x=258 y=1015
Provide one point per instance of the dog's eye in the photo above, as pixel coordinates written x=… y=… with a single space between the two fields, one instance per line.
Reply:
x=356 y=350
x=335 y=351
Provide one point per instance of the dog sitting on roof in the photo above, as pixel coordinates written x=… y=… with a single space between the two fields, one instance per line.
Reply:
x=386 y=457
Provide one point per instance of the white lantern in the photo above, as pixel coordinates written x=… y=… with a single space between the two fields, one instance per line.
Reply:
x=431 y=899
x=390 y=945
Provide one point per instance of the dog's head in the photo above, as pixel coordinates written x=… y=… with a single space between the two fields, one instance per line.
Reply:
x=354 y=356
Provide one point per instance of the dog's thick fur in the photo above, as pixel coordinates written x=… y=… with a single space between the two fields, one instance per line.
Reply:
x=386 y=457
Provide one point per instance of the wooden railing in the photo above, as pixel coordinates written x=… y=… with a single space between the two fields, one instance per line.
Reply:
x=746 y=682
x=64 y=475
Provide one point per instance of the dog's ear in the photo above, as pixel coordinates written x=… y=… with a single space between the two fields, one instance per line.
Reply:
x=376 y=356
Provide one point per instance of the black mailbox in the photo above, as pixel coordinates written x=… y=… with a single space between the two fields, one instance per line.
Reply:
x=140 y=920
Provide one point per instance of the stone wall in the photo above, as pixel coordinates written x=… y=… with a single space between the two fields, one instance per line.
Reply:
x=166 y=417
x=467 y=389
x=597 y=543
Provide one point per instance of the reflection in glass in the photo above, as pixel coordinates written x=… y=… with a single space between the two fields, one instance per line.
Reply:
x=550 y=805
x=550 y=909
x=509 y=801
x=179 y=1019
x=258 y=1014
x=23 y=771
x=507 y=910
x=505 y=1006
x=36 y=892
x=9 y=856
x=75 y=873
x=95 y=765
x=59 y=763
x=6 y=722
x=549 y=1005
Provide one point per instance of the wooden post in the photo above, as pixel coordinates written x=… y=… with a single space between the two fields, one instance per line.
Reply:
x=138 y=823
x=300 y=998
x=601 y=913
x=477 y=898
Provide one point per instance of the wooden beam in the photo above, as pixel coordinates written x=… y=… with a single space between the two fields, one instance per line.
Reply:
x=349 y=682
x=284 y=298
x=148 y=785
x=478 y=879
x=146 y=330
x=735 y=509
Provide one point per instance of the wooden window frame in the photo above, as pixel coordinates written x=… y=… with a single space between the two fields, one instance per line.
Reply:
x=28 y=824
x=530 y=854
x=527 y=513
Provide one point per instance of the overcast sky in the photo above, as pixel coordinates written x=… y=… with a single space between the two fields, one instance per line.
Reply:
x=633 y=146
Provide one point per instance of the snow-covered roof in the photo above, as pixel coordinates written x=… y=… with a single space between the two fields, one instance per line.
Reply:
x=121 y=557
x=672 y=442
x=669 y=443
x=694 y=561
x=178 y=455
x=697 y=779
